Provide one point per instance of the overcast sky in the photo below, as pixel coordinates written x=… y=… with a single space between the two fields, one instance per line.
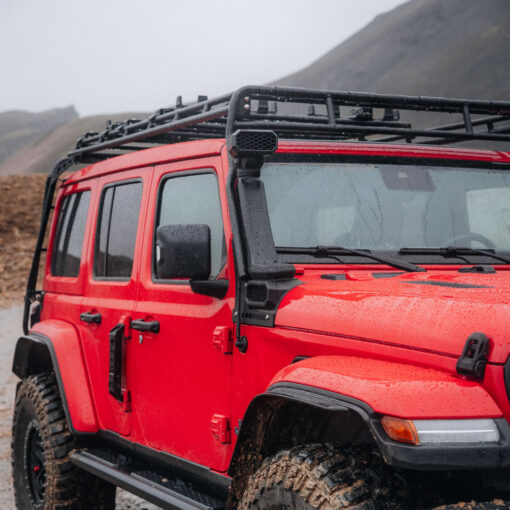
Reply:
x=106 y=56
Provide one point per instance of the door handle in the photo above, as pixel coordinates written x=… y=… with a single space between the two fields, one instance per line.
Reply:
x=91 y=318
x=145 y=326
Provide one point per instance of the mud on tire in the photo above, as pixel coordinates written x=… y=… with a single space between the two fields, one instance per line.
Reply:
x=43 y=475
x=321 y=477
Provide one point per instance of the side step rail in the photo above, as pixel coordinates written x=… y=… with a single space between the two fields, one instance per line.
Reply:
x=167 y=493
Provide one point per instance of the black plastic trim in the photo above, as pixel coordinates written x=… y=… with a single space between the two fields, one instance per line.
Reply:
x=455 y=285
x=480 y=269
x=264 y=313
x=262 y=259
x=213 y=288
x=507 y=377
x=334 y=277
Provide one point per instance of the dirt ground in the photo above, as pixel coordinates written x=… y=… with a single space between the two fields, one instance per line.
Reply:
x=20 y=211
x=10 y=329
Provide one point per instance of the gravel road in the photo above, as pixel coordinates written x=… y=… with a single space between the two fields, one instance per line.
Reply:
x=10 y=329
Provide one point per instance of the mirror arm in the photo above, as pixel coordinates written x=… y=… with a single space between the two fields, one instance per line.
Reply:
x=213 y=288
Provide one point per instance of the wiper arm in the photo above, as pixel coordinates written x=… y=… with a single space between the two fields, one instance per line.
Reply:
x=332 y=251
x=453 y=251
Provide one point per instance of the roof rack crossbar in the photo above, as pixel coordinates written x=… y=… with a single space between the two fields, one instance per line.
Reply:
x=488 y=122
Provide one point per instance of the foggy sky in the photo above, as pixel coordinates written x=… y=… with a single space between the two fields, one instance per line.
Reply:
x=106 y=56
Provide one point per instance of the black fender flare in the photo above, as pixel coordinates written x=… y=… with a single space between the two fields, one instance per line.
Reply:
x=32 y=355
x=263 y=427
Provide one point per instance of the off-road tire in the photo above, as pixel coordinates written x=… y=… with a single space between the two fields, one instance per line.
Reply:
x=321 y=477
x=41 y=444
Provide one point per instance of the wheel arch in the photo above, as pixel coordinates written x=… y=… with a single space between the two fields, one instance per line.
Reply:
x=59 y=351
x=289 y=414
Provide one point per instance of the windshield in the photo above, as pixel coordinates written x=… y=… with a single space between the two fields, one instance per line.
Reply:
x=387 y=207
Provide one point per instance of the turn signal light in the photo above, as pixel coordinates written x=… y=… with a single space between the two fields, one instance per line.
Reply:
x=400 y=430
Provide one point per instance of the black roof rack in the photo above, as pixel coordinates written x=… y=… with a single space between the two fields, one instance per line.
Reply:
x=313 y=114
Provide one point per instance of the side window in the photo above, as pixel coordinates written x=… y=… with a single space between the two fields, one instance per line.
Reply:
x=68 y=244
x=116 y=230
x=194 y=199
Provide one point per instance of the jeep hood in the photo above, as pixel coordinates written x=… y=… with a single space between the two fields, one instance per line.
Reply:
x=433 y=311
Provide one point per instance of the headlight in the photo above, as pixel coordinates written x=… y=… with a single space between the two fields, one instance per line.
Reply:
x=427 y=432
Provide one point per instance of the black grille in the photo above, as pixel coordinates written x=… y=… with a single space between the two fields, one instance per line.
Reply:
x=252 y=140
x=256 y=293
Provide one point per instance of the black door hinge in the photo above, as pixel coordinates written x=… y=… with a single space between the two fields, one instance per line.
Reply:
x=474 y=356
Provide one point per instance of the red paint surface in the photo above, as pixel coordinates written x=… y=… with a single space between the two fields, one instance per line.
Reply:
x=72 y=370
x=390 y=310
x=397 y=389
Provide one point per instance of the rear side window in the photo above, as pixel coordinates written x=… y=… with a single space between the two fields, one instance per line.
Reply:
x=116 y=230
x=68 y=245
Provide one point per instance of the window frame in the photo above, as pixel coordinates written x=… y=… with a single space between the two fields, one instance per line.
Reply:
x=157 y=211
x=98 y=223
x=58 y=231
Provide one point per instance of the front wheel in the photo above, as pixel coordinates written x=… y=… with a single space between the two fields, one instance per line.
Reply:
x=319 y=477
x=44 y=478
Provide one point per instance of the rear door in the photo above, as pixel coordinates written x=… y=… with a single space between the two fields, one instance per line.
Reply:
x=66 y=266
x=181 y=395
x=110 y=292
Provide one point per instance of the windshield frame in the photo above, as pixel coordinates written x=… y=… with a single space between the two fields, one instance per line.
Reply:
x=419 y=259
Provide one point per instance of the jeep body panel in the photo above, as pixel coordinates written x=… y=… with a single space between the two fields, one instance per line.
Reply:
x=395 y=389
x=432 y=312
x=63 y=343
x=180 y=377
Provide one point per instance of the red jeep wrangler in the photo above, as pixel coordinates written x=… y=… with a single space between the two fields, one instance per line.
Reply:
x=294 y=299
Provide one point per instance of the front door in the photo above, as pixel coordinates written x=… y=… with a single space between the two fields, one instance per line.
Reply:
x=181 y=395
x=110 y=292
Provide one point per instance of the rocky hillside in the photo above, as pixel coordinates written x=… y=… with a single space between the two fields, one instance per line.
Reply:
x=457 y=48
x=17 y=128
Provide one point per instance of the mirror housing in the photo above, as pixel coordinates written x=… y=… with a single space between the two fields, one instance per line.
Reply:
x=183 y=251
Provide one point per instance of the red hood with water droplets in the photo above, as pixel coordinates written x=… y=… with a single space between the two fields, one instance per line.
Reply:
x=433 y=311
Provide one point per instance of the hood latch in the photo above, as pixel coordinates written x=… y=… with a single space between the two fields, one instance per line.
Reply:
x=474 y=356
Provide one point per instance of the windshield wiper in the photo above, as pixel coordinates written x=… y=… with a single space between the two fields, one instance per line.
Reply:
x=332 y=251
x=453 y=251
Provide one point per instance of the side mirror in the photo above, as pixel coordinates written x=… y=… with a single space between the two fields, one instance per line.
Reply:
x=183 y=251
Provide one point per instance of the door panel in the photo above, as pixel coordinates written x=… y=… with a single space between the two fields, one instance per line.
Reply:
x=181 y=390
x=110 y=290
x=66 y=264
